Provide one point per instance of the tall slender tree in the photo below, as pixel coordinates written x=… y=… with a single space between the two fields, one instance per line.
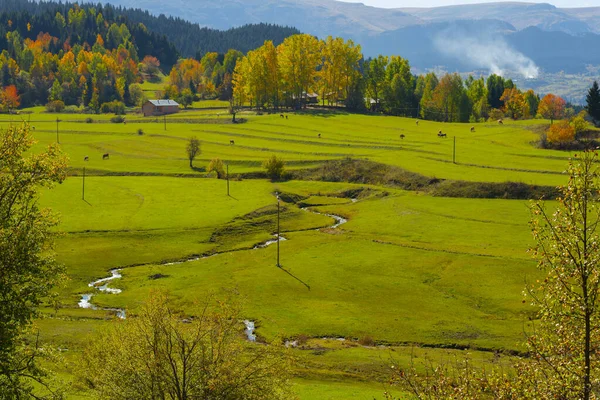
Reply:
x=593 y=103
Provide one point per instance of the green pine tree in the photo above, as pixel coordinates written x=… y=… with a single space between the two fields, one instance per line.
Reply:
x=593 y=103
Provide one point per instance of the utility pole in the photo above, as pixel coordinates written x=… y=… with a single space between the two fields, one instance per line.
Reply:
x=83 y=187
x=57 y=121
x=278 y=231
x=227 y=179
x=165 y=119
x=454 y=151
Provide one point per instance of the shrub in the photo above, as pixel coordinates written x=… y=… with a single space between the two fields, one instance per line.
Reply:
x=561 y=132
x=302 y=339
x=366 y=341
x=55 y=106
x=579 y=123
x=118 y=119
x=275 y=168
x=140 y=131
x=113 y=107
x=496 y=114
x=72 y=109
x=216 y=165
x=89 y=120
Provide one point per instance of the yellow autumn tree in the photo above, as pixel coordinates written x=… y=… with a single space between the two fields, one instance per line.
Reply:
x=299 y=57
x=515 y=105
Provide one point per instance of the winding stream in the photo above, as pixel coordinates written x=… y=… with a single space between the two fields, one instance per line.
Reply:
x=102 y=284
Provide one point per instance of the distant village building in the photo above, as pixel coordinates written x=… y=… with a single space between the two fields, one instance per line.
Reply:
x=307 y=98
x=160 y=107
x=312 y=98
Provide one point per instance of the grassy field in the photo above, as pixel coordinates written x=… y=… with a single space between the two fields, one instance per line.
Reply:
x=407 y=269
x=493 y=153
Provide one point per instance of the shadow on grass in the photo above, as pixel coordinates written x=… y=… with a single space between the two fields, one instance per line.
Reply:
x=322 y=112
x=295 y=277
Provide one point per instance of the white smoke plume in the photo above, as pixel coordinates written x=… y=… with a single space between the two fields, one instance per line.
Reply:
x=486 y=52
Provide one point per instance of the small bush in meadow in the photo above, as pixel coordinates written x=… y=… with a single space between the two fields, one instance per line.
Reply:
x=275 y=168
x=216 y=165
x=117 y=119
x=366 y=341
x=89 y=120
x=55 y=106
x=116 y=107
x=140 y=131
x=302 y=339
x=496 y=114
x=579 y=123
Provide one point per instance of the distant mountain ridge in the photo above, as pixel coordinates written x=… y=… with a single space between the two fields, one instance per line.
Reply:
x=554 y=38
x=520 y=15
x=327 y=17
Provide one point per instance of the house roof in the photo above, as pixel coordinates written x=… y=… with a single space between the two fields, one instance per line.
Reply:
x=162 y=103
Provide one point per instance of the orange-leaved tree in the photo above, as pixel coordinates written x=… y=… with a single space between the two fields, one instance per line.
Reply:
x=552 y=107
x=9 y=97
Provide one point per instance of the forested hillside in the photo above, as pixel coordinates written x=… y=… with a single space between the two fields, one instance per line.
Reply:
x=29 y=19
x=162 y=36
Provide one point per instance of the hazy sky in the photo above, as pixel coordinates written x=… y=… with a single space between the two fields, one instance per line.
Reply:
x=437 y=3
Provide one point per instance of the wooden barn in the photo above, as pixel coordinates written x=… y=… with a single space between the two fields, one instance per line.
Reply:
x=160 y=107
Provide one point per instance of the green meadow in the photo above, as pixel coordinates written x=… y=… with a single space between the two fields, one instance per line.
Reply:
x=407 y=272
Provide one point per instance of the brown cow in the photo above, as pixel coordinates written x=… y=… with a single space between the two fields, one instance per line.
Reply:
x=472 y=129
x=231 y=142
x=105 y=156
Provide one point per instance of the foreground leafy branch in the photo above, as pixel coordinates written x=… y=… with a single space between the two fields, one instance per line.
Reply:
x=161 y=354
x=27 y=269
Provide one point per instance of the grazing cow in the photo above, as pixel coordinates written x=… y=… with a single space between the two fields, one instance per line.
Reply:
x=402 y=136
x=86 y=158
x=105 y=156
x=281 y=115
x=440 y=134
x=286 y=117
x=500 y=122
x=231 y=142
x=472 y=129
x=417 y=123
x=319 y=135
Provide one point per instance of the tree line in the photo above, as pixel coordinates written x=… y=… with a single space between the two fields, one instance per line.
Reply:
x=285 y=75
